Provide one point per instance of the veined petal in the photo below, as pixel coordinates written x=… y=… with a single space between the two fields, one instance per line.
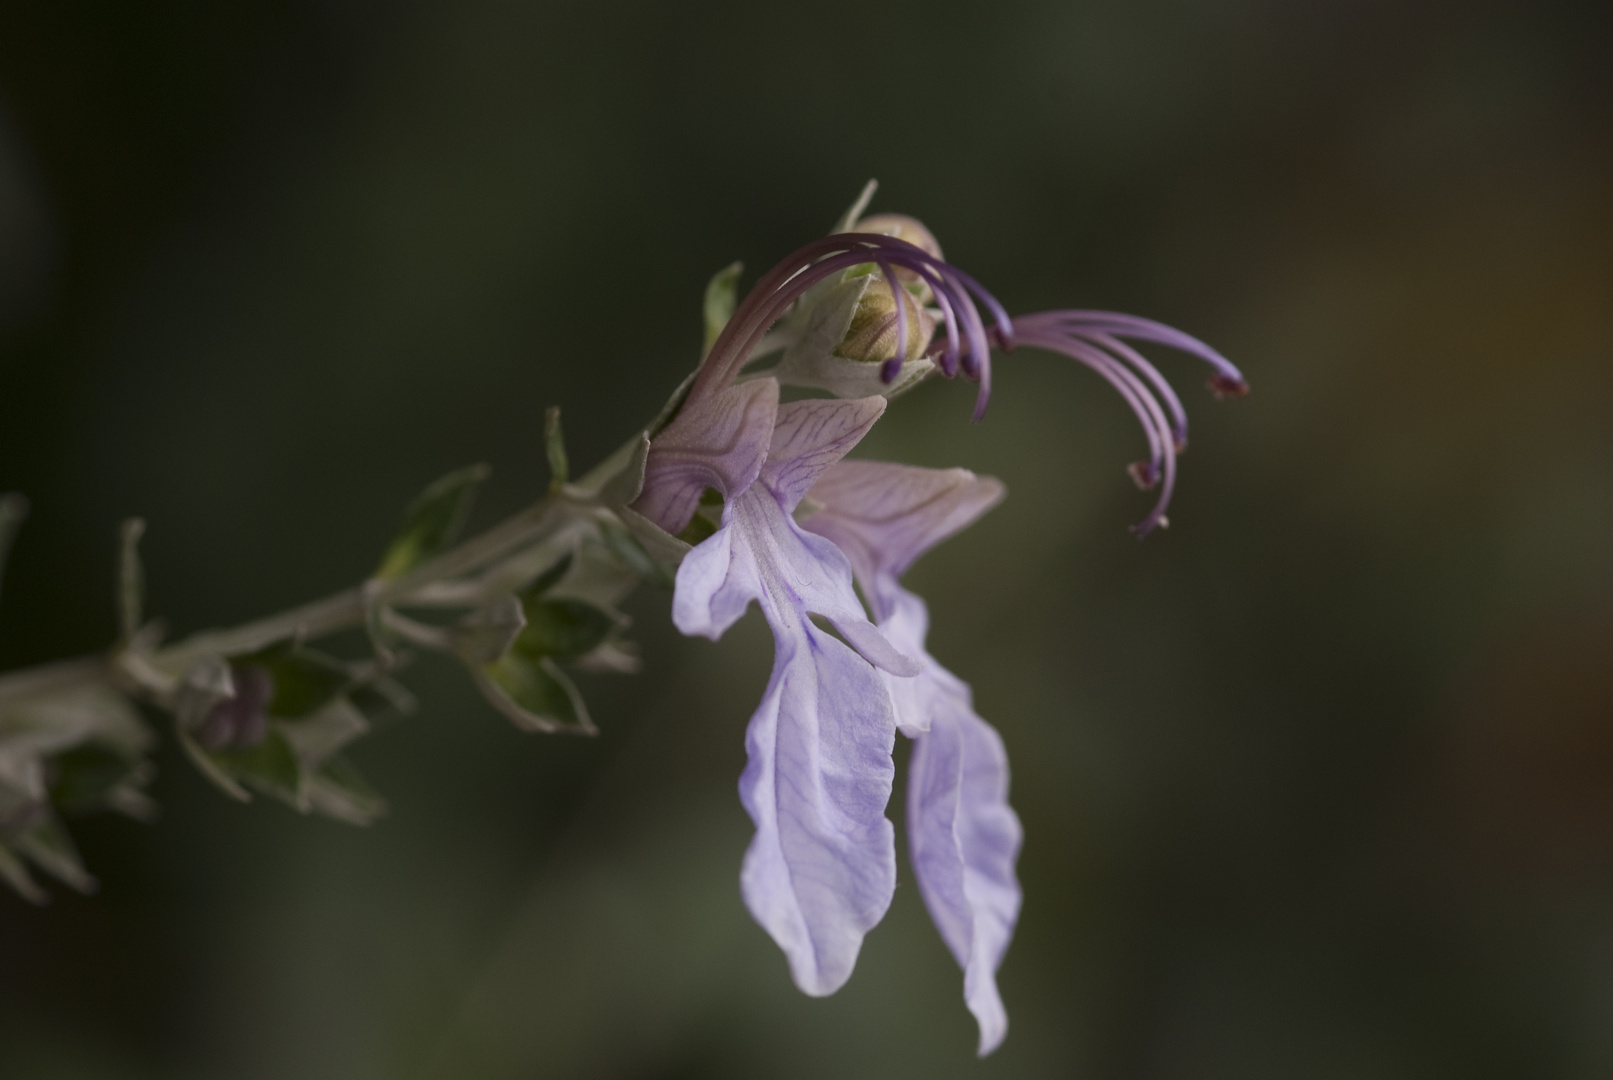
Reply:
x=964 y=839
x=810 y=436
x=718 y=441
x=884 y=516
x=821 y=870
x=712 y=589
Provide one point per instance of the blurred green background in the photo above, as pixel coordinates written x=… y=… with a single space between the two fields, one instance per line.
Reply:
x=1318 y=784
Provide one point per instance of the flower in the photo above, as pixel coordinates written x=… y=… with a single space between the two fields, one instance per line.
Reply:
x=800 y=525
x=821 y=869
x=963 y=836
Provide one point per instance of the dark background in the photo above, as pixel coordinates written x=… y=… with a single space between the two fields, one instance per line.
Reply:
x=1318 y=784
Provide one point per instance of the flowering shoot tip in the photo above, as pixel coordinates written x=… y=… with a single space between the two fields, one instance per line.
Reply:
x=732 y=495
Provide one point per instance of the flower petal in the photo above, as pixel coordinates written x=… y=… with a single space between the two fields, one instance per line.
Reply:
x=821 y=870
x=884 y=516
x=712 y=590
x=812 y=435
x=718 y=441
x=964 y=839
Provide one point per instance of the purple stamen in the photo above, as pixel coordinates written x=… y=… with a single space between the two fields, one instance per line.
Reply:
x=786 y=282
x=1092 y=338
x=1173 y=404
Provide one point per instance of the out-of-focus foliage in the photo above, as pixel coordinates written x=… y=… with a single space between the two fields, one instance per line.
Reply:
x=1314 y=784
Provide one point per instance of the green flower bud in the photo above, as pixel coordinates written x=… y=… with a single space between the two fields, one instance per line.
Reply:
x=872 y=336
x=913 y=231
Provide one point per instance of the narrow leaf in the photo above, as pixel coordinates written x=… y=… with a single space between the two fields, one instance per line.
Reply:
x=721 y=293
x=87 y=775
x=337 y=791
x=554 y=446
x=549 y=578
x=432 y=522
x=534 y=693
x=211 y=769
x=304 y=680
x=317 y=737
x=49 y=847
x=855 y=211
x=626 y=547
x=563 y=629
x=271 y=766
x=15 y=874
x=487 y=633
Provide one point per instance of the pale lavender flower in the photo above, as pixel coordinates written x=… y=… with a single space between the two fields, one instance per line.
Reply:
x=821 y=869
x=963 y=837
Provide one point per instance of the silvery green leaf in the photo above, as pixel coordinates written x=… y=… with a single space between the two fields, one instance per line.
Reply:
x=13 y=511
x=487 y=633
x=596 y=575
x=380 y=696
x=550 y=577
x=51 y=724
x=131 y=579
x=718 y=308
x=612 y=657
x=271 y=766
x=534 y=693
x=48 y=846
x=563 y=629
x=628 y=480
x=432 y=522
x=304 y=680
x=316 y=737
x=554 y=447
x=337 y=790
x=211 y=769
x=16 y=874
x=854 y=212
x=130 y=799
x=87 y=776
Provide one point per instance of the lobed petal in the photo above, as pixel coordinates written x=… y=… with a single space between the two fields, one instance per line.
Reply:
x=963 y=839
x=810 y=436
x=884 y=516
x=821 y=869
x=718 y=441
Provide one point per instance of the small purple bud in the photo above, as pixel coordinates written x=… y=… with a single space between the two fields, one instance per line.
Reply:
x=242 y=721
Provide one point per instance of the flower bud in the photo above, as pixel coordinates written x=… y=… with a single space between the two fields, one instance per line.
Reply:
x=846 y=333
x=872 y=336
x=913 y=231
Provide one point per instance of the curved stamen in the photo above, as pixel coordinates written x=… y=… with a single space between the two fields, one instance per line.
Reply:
x=1227 y=381
x=786 y=282
x=1161 y=465
x=1092 y=338
x=1173 y=404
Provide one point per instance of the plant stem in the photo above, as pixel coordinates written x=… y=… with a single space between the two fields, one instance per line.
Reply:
x=343 y=611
